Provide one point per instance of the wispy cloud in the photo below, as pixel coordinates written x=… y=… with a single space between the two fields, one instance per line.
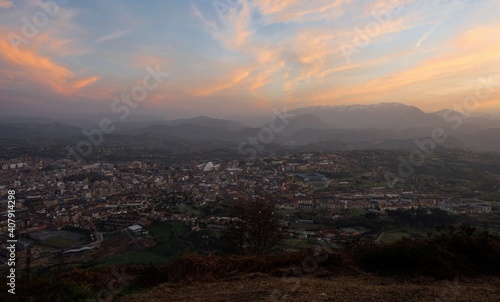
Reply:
x=236 y=29
x=303 y=53
x=298 y=10
x=28 y=66
x=224 y=84
x=114 y=35
x=435 y=82
x=255 y=51
x=5 y=4
x=443 y=15
x=425 y=36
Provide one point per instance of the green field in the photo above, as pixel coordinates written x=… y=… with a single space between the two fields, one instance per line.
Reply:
x=306 y=226
x=489 y=222
x=393 y=236
x=406 y=232
x=169 y=246
x=293 y=243
x=60 y=242
x=138 y=257
x=189 y=211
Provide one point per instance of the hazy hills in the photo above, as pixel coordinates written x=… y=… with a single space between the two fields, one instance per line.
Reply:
x=386 y=125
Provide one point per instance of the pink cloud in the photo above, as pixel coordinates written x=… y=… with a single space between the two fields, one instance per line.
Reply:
x=5 y=4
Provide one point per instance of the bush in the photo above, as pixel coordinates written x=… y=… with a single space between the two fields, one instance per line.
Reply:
x=448 y=253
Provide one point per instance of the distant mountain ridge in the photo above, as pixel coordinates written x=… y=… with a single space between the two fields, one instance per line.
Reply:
x=379 y=116
x=385 y=125
x=28 y=129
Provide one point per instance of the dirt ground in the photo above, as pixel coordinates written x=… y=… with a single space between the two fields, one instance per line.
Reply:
x=364 y=288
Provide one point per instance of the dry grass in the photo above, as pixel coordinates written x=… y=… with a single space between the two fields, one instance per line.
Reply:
x=406 y=270
x=345 y=288
x=195 y=268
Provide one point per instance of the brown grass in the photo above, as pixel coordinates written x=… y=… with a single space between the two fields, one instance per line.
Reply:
x=406 y=270
x=346 y=288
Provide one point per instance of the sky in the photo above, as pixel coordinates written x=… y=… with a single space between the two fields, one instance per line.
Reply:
x=229 y=58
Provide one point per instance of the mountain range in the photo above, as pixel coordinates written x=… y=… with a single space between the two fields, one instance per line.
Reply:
x=385 y=125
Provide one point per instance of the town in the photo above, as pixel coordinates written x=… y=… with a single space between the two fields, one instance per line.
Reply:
x=131 y=210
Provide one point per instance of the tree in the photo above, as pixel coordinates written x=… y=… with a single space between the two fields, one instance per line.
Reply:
x=256 y=228
x=28 y=263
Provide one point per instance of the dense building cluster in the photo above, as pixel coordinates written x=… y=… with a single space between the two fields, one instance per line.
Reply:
x=105 y=197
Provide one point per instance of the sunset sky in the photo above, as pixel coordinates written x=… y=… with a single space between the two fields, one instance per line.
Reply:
x=233 y=58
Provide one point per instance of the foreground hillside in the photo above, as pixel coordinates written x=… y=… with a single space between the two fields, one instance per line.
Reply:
x=454 y=264
x=351 y=288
